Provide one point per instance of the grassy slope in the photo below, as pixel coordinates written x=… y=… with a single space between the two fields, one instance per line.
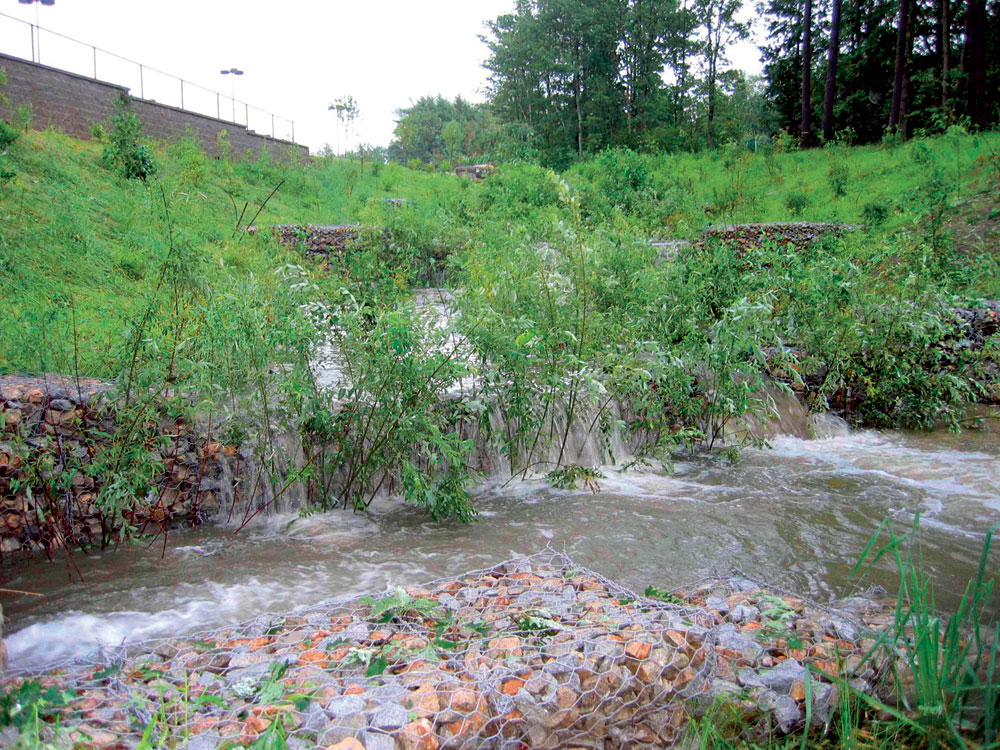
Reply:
x=77 y=243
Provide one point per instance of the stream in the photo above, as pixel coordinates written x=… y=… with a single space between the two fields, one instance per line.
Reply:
x=798 y=515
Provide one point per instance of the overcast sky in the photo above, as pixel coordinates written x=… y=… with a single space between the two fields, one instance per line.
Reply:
x=297 y=57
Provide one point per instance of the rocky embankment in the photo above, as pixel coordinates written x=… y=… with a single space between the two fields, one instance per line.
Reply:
x=536 y=652
x=56 y=435
x=316 y=239
x=971 y=331
x=797 y=234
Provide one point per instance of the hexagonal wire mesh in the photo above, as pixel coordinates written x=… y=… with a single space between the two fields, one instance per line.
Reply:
x=533 y=652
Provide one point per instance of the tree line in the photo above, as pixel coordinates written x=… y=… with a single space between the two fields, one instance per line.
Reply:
x=572 y=77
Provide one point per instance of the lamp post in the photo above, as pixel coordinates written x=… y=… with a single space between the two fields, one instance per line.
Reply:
x=36 y=30
x=232 y=72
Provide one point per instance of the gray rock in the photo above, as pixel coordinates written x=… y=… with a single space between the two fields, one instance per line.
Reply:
x=744 y=613
x=378 y=741
x=723 y=687
x=61 y=404
x=729 y=636
x=749 y=678
x=841 y=628
x=345 y=705
x=388 y=693
x=565 y=663
x=824 y=701
x=390 y=717
x=314 y=719
x=717 y=603
x=781 y=678
x=503 y=703
x=206 y=741
x=356 y=631
x=785 y=711
x=342 y=728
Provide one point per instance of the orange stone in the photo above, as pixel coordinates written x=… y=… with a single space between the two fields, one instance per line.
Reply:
x=676 y=637
x=348 y=743
x=512 y=686
x=798 y=691
x=418 y=735
x=256 y=725
x=312 y=655
x=638 y=650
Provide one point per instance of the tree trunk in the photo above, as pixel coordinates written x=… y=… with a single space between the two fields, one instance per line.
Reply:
x=900 y=72
x=975 y=62
x=831 y=71
x=906 y=99
x=579 y=113
x=713 y=51
x=944 y=49
x=806 y=125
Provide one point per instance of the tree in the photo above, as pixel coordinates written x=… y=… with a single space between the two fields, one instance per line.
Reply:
x=944 y=49
x=347 y=112
x=806 y=126
x=720 y=28
x=902 y=35
x=833 y=53
x=453 y=136
x=974 y=62
x=782 y=58
x=650 y=28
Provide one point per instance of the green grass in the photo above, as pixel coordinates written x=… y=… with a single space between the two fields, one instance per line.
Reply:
x=80 y=248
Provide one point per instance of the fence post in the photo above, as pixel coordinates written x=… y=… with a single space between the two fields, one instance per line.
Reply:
x=272 y=125
x=31 y=30
x=142 y=83
x=218 y=105
x=95 y=61
x=182 y=92
x=246 y=114
x=293 y=131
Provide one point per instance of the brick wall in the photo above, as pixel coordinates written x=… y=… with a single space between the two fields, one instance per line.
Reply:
x=71 y=102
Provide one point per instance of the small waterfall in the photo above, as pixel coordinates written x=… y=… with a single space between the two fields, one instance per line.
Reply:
x=592 y=437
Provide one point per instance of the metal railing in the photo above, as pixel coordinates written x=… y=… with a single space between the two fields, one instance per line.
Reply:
x=25 y=40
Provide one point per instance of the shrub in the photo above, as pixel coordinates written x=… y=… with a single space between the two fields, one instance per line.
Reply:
x=126 y=152
x=838 y=174
x=875 y=214
x=797 y=202
x=623 y=178
x=8 y=136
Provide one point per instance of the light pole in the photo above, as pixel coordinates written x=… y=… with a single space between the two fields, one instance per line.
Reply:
x=232 y=72
x=37 y=31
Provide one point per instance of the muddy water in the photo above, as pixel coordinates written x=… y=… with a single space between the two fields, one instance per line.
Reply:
x=798 y=514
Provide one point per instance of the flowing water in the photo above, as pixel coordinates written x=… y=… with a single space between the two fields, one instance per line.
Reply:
x=798 y=514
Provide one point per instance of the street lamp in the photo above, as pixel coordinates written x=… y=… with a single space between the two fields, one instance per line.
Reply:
x=38 y=31
x=231 y=72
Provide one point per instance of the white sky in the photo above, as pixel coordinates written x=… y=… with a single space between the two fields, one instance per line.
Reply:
x=297 y=57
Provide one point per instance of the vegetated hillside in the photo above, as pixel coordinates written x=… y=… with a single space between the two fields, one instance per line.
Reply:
x=82 y=249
